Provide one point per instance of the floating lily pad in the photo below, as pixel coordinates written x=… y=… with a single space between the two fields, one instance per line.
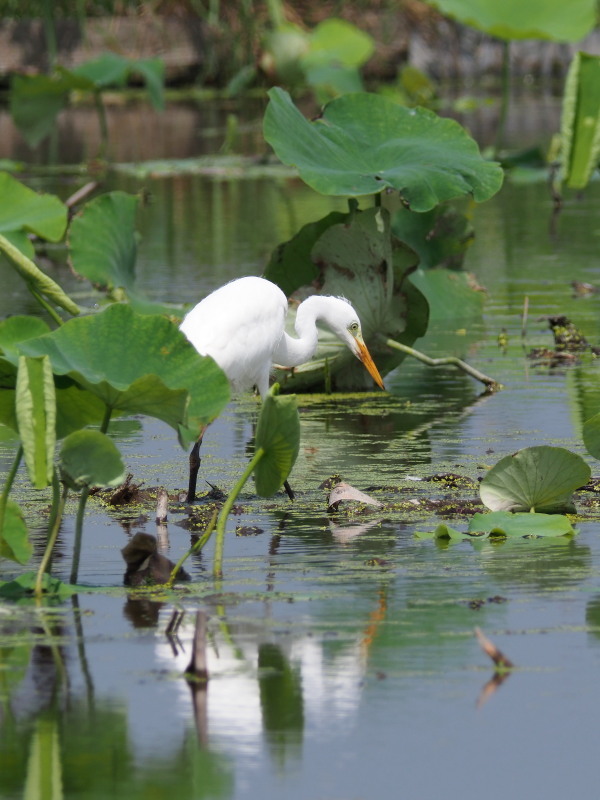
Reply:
x=364 y=144
x=535 y=478
x=505 y=523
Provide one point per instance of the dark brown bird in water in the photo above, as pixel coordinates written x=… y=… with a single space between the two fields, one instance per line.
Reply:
x=145 y=565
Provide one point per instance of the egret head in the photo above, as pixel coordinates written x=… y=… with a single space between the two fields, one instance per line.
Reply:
x=344 y=322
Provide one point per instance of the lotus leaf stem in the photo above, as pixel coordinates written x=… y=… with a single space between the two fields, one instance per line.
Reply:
x=490 y=383
x=225 y=510
x=50 y=544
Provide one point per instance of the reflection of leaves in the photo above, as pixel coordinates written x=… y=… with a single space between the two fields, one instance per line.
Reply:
x=541 y=478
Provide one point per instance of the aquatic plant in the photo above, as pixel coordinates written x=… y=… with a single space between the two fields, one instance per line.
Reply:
x=364 y=146
x=36 y=100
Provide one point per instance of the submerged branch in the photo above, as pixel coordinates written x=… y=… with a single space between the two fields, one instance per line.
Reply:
x=492 y=385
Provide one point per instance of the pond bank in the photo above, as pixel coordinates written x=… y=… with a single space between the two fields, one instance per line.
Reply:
x=195 y=51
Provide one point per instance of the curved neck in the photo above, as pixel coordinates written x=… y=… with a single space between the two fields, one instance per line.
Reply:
x=292 y=352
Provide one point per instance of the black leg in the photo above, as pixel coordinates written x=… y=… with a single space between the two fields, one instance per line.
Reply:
x=288 y=490
x=194 y=467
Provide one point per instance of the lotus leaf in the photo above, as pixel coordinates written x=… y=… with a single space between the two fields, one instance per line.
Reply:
x=35 y=404
x=89 y=458
x=102 y=245
x=278 y=435
x=535 y=478
x=139 y=365
x=580 y=123
x=363 y=144
x=24 y=210
x=14 y=540
x=535 y=19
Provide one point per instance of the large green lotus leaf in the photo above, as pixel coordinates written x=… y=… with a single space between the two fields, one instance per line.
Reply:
x=76 y=407
x=35 y=404
x=358 y=259
x=90 y=458
x=14 y=539
x=580 y=121
x=36 y=279
x=102 y=242
x=290 y=265
x=278 y=435
x=591 y=435
x=14 y=330
x=505 y=523
x=138 y=365
x=535 y=19
x=534 y=479
x=22 y=209
x=363 y=144
x=440 y=237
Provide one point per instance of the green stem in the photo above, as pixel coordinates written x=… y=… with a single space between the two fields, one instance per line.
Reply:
x=50 y=544
x=45 y=305
x=81 y=509
x=8 y=486
x=55 y=501
x=505 y=101
x=227 y=506
x=439 y=362
x=78 y=533
x=100 y=108
x=193 y=549
x=50 y=33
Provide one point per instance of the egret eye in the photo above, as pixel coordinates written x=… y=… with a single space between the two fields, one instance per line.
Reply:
x=354 y=328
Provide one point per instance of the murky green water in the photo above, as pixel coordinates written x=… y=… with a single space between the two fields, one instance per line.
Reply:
x=341 y=649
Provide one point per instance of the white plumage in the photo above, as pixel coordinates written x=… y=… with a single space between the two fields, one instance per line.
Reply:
x=242 y=326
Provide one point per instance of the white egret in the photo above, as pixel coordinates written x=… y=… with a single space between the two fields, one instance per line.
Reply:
x=242 y=326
